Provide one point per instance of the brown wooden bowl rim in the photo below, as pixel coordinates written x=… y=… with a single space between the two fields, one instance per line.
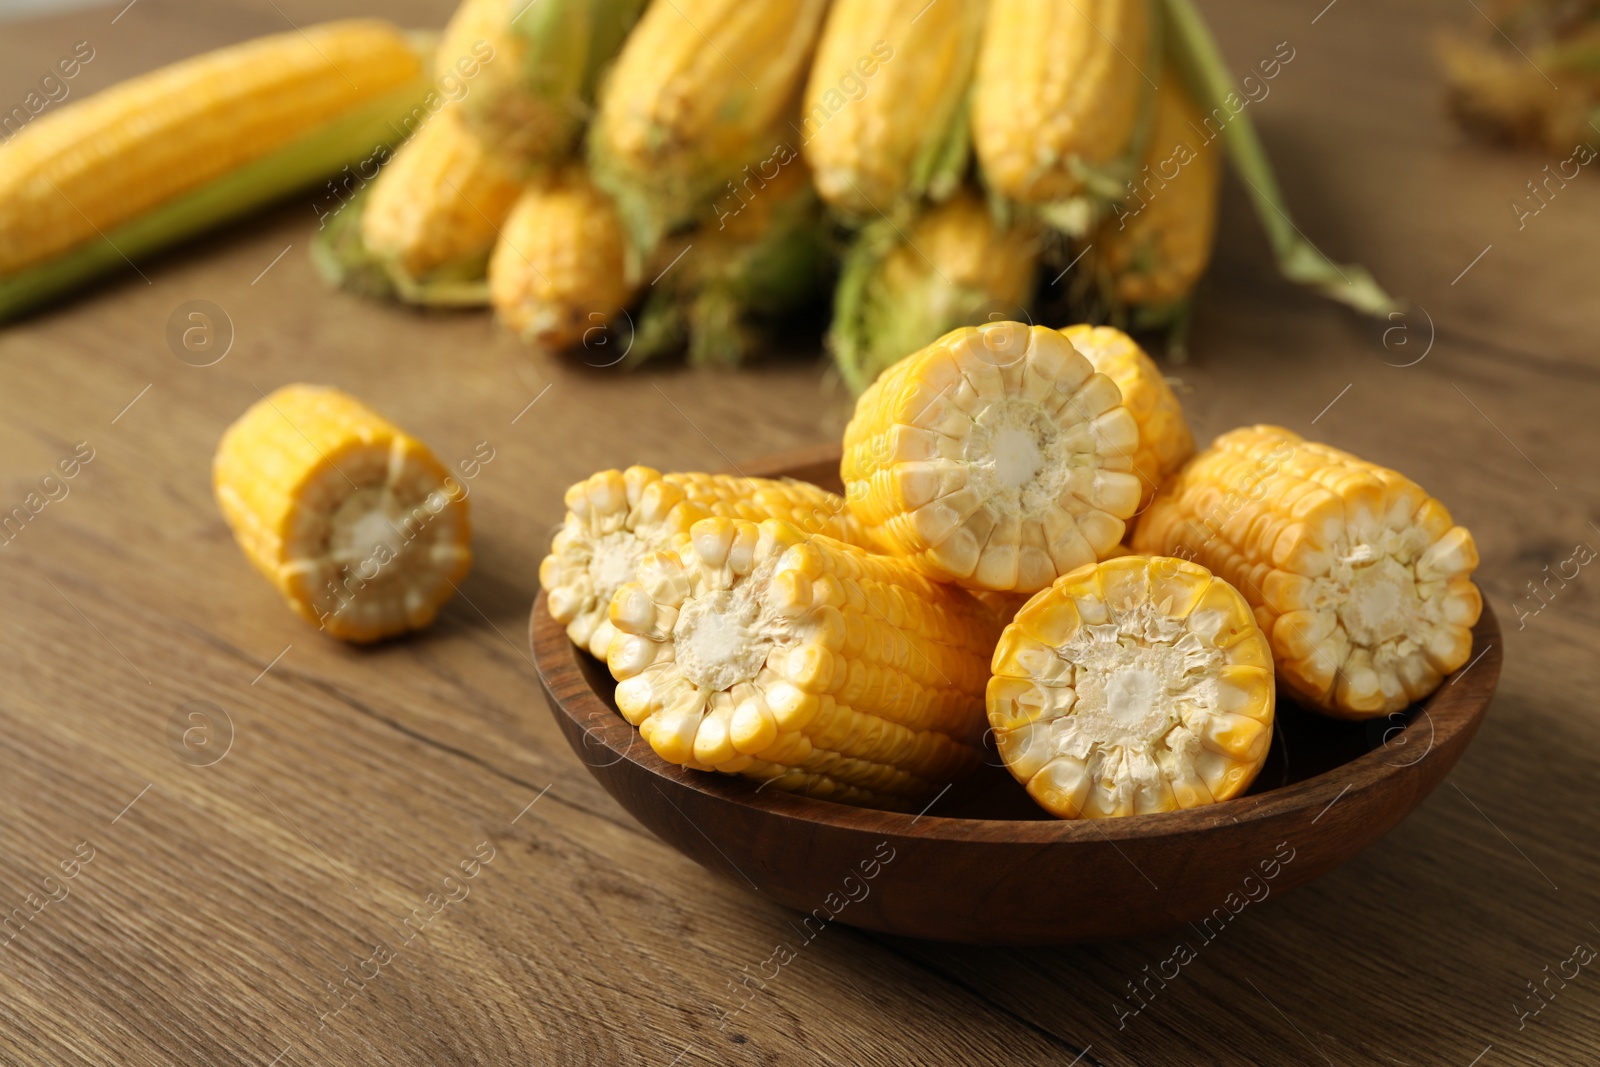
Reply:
x=1444 y=715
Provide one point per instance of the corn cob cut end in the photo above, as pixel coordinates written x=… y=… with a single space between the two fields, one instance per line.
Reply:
x=1360 y=579
x=354 y=521
x=1141 y=684
x=995 y=458
x=802 y=662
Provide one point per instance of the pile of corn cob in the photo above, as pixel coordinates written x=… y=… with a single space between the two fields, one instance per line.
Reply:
x=1029 y=549
x=630 y=177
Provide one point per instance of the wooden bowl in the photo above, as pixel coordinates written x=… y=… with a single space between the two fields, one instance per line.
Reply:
x=984 y=864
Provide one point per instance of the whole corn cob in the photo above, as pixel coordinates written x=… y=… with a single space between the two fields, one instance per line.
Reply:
x=1165 y=441
x=1132 y=686
x=879 y=132
x=614 y=518
x=996 y=458
x=801 y=662
x=167 y=154
x=355 y=522
x=698 y=92
x=1359 y=578
x=532 y=98
x=1159 y=242
x=1058 y=93
x=561 y=271
x=439 y=204
x=899 y=292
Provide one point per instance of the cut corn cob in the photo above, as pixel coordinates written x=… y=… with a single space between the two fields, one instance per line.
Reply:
x=87 y=189
x=1132 y=686
x=1058 y=92
x=561 y=272
x=996 y=458
x=615 y=517
x=900 y=292
x=803 y=662
x=355 y=522
x=698 y=92
x=531 y=97
x=439 y=203
x=1165 y=441
x=1159 y=242
x=1359 y=578
x=879 y=132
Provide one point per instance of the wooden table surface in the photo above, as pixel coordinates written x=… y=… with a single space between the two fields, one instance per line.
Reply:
x=227 y=911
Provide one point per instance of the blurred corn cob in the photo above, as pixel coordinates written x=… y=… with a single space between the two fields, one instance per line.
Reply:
x=531 y=100
x=801 y=662
x=877 y=132
x=615 y=517
x=355 y=522
x=165 y=155
x=1362 y=581
x=561 y=271
x=697 y=98
x=900 y=291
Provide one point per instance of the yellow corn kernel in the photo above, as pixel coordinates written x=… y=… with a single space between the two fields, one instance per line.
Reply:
x=561 y=270
x=1137 y=685
x=1359 y=578
x=698 y=91
x=1158 y=243
x=354 y=521
x=995 y=458
x=1058 y=89
x=1165 y=440
x=105 y=160
x=881 y=107
x=615 y=517
x=440 y=202
x=802 y=662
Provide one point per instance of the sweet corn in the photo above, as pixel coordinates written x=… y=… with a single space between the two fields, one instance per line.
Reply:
x=996 y=458
x=561 y=271
x=802 y=662
x=614 y=518
x=1359 y=578
x=899 y=292
x=354 y=521
x=440 y=202
x=1165 y=441
x=530 y=97
x=1137 y=685
x=879 y=132
x=1159 y=241
x=1058 y=92
x=698 y=91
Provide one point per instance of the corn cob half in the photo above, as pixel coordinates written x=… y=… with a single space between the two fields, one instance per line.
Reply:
x=1359 y=578
x=879 y=132
x=697 y=93
x=1165 y=440
x=900 y=291
x=1058 y=92
x=996 y=458
x=562 y=269
x=165 y=155
x=802 y=662
x=354 y=521
x=614 y=518
x=1132 y=686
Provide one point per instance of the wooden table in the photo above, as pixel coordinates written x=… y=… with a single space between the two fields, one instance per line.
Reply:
x=226 y=911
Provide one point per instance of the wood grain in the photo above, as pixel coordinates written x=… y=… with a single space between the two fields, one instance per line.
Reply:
x=218 y=909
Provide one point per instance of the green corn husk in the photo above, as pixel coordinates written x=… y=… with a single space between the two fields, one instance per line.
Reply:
x=902 y=289
x=346 y=141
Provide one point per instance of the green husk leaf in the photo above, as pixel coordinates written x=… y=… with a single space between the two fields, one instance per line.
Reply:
x=346 y=141
x=1209 y=82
